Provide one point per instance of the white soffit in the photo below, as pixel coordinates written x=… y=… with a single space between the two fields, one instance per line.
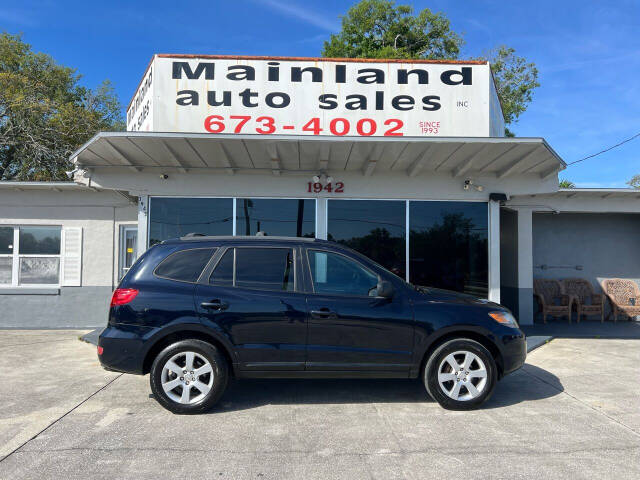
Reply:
x=499 y=157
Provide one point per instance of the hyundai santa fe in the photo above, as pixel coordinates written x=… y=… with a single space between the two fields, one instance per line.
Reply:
x=194 y=312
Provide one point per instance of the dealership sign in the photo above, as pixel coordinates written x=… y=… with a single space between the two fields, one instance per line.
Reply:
x=264 y=96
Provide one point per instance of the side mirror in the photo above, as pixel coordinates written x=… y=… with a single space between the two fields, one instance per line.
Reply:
x=385 y=289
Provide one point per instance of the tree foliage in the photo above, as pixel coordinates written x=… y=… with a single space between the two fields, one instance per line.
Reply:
x=379 y=29
x=564 y=183
x=45 y=114
x=382 y=29
x=515 y=79
x=634 y=182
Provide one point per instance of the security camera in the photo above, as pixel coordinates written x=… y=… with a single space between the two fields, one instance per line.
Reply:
x=164 y=176
x=71 y=173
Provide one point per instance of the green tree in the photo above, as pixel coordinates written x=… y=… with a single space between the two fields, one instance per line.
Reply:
x=382 y=29
x=634 y=182
x=45 y=114
x=379 y=29
x=515 y=78
x=564 y=183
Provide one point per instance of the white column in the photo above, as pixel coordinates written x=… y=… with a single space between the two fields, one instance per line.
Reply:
x=143 y=222
x=494 y=251
x=321 y=218
x=525 y=266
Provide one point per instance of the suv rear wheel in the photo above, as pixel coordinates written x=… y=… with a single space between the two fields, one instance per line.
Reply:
x=189 y=376
x=460 y=374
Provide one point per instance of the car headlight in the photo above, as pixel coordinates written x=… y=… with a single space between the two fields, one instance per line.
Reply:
x=504 y=318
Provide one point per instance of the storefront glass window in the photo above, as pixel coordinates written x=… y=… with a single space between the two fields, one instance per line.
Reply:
x=375 y=228
x=175 y=217
x=276 y=217
x=448 y=246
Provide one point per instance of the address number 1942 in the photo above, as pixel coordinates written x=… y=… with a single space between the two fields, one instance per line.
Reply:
x=317 y=187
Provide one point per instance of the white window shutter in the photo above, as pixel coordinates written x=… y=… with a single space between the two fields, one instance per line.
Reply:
x=72 y=257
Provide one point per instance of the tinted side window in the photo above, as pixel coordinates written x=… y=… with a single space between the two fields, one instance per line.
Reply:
x=265 y=268
x=185 y=265
x=336 y=274
x=222 y=275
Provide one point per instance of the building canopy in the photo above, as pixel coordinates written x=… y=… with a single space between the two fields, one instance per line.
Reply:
x=500 y=157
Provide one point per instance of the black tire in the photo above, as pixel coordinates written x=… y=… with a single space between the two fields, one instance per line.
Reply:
x=219 y=367
x=437 y=358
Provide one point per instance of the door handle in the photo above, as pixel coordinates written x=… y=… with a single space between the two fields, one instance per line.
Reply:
x=215 y=305
x=323 y=313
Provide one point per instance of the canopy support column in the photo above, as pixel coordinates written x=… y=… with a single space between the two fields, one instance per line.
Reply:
x=321 y=218
x=494 y=251
x=525 y=266
x=143 y=224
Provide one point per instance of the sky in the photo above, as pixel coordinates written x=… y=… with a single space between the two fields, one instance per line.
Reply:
x=587 y=52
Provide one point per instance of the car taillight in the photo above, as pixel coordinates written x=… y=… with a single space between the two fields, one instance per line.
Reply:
x=100 y=350
x=122 y=296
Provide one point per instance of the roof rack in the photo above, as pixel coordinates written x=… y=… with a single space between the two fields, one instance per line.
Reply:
x=265 y=238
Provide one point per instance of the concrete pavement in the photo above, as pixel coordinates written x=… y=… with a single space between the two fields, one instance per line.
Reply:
x=572 y=411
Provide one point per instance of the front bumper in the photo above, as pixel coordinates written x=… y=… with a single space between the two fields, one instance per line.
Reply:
x=124 y=347
x=514 y=351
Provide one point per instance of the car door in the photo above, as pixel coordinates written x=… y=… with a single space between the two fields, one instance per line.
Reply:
x=349 y=327
x=251 y=295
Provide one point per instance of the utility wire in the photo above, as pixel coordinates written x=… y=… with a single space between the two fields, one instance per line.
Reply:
x=605 y=150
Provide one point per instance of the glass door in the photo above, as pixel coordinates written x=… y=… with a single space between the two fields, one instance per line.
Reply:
x=128 y=248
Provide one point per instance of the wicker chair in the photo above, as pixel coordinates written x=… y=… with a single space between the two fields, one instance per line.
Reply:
x=587 y=301
x=552 y=299
x=624 y=296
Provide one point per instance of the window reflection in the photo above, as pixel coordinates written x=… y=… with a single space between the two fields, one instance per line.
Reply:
x=40 y=240
x=375 y=228
x=335 y=274
x=175 y=217
x=276 y=217
x=448 y=246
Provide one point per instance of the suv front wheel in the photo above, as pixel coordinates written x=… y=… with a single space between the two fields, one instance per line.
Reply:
x=189 y=376
x=460 y=374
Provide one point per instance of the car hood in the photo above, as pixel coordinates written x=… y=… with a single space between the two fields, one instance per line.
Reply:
x=431 y=294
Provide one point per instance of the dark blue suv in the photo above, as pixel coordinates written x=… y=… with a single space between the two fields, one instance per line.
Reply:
x=194 y=311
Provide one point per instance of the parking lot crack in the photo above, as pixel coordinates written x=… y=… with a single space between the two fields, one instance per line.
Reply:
x=60 y=418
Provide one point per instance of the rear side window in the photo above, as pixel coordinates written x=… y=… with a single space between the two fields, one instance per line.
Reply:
x=185 y=265
x=256 y=268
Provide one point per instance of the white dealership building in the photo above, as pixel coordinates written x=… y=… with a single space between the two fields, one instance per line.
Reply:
x=405 y=162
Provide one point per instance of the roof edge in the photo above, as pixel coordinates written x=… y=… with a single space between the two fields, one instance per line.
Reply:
x=44 y=184
x=599 y=190
x=323 y=59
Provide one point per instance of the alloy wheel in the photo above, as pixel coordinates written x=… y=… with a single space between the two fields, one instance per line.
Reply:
x=187 y=377
x=462 y=375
